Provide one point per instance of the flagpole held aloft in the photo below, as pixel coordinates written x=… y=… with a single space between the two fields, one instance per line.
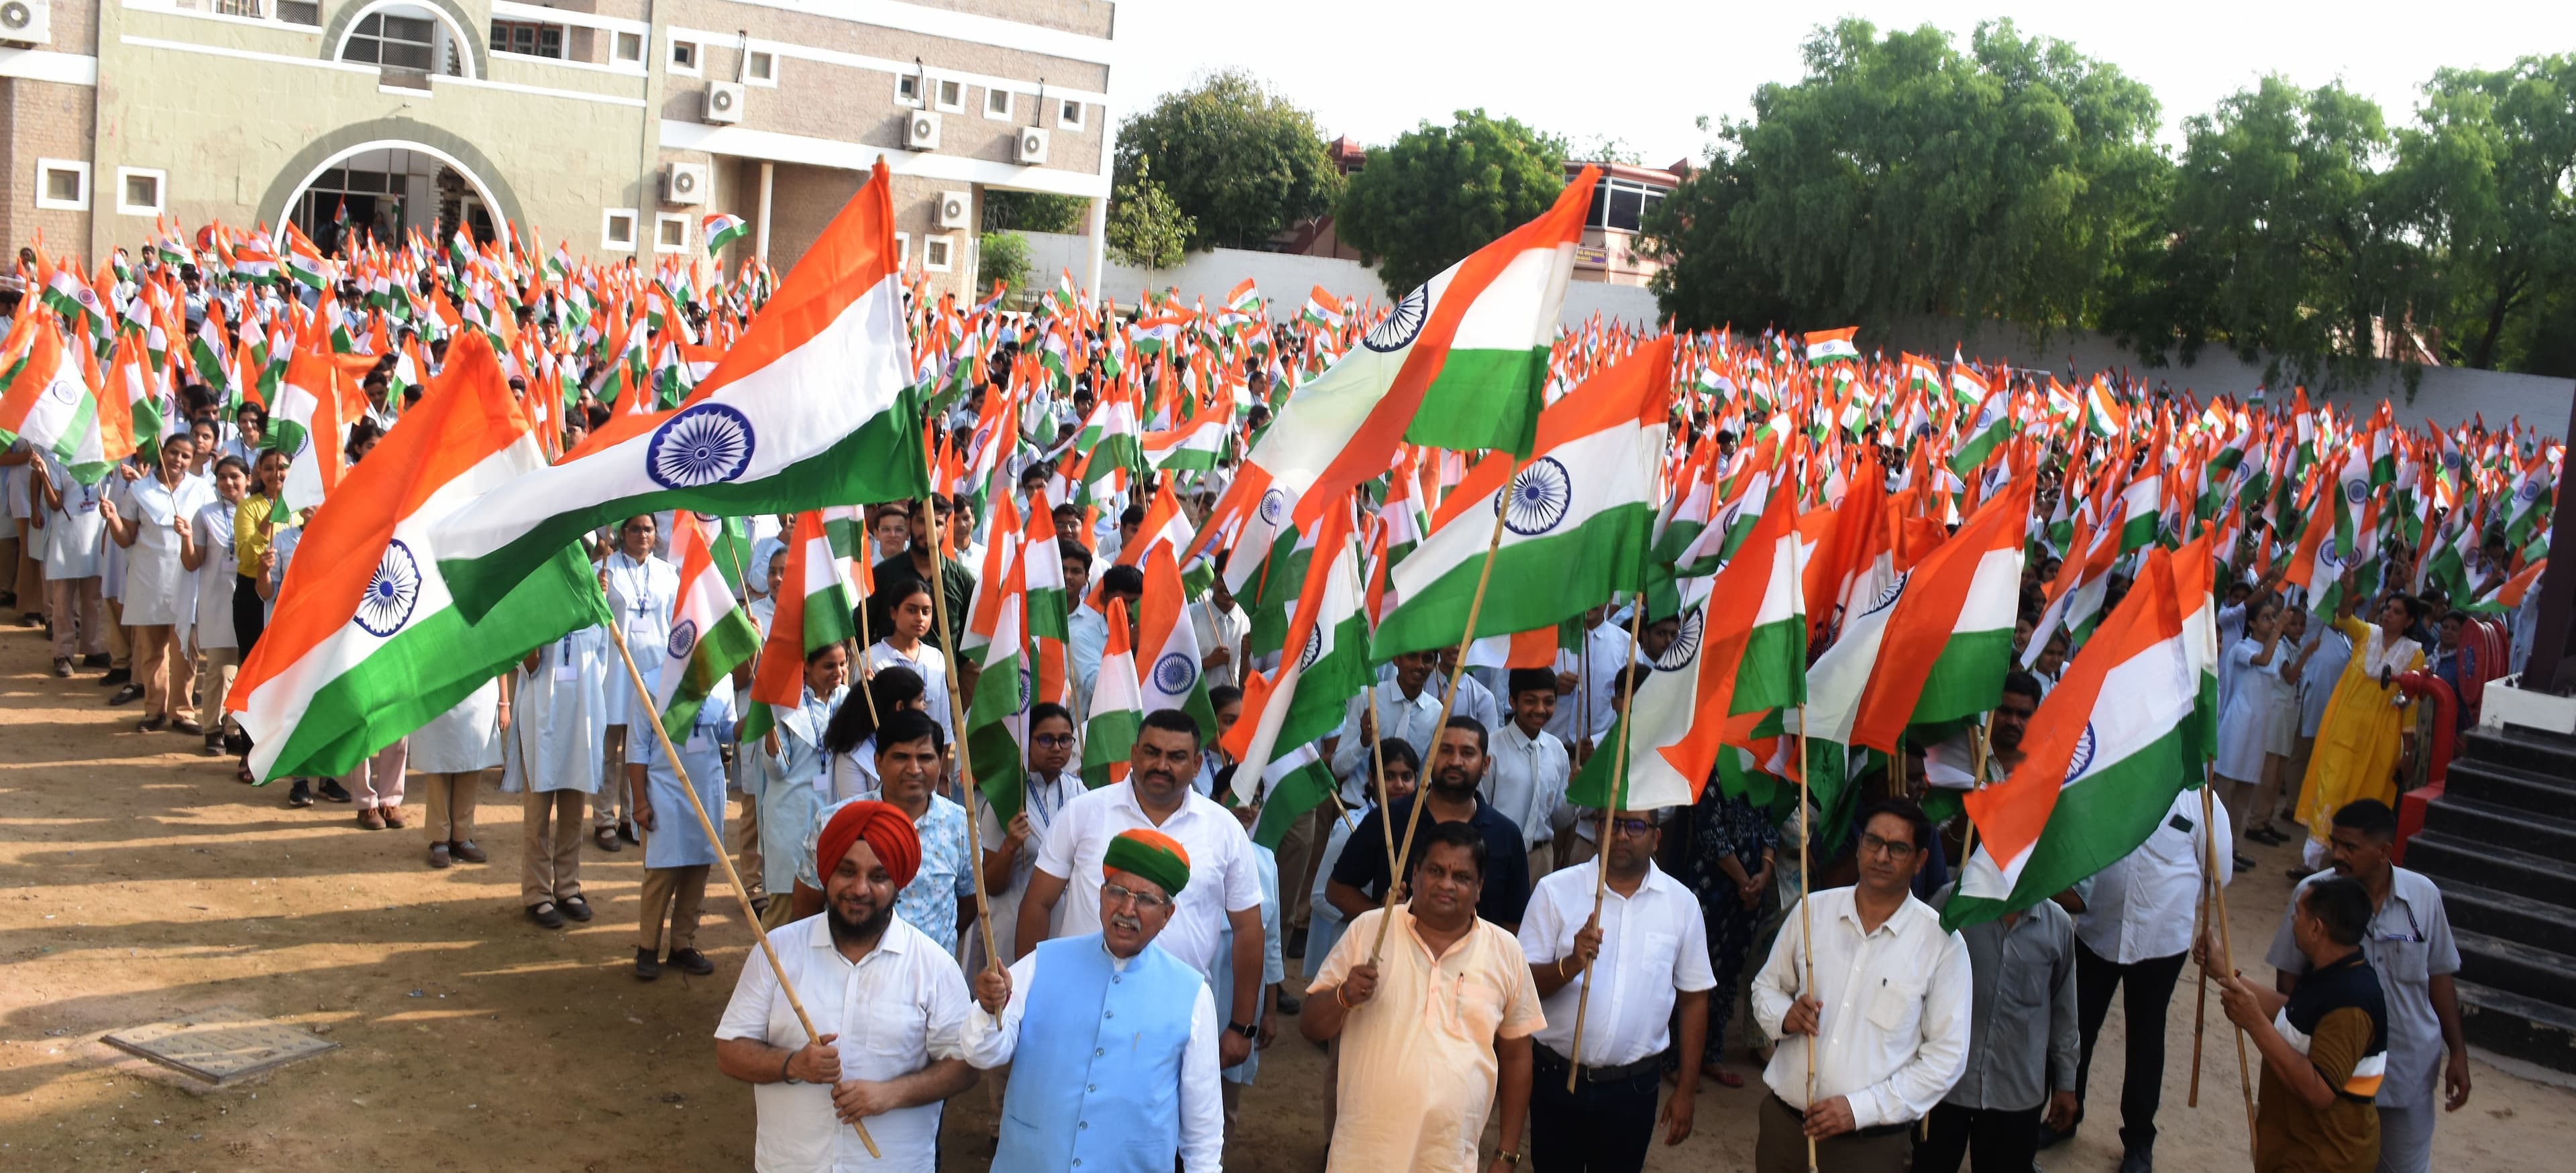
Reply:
x=957 y=705
x=1601 y=829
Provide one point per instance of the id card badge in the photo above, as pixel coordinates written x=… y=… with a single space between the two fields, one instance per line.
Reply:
x=89 y=499
x=565 y=670
x=701 y=739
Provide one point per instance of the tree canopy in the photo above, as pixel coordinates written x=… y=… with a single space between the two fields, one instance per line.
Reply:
x=1239 y=162
x=1442 y=192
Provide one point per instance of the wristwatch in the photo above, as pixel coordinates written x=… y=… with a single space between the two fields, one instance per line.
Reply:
x=1511 y=1159
x=1246 y=1029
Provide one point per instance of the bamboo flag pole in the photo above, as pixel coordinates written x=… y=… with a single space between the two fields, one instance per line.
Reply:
x=1806 y=879
x=2200 y=1004
x=2226 y=946
x=1448 y=699
x=1601 y=828
x=724 y=859
x=957 y=710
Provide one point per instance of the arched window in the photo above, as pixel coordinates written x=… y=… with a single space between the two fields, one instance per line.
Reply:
x=405 y=37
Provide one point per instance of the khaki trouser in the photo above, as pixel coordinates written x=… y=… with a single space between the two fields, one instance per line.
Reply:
x=550 y=846
x=73 y=605
x=215 y=668
x=450 y=800
x=682 y=892
x=378 y=781
x=120 y=648
x=1300 y=850
x=156 y=669
x=1542 y=860
x=1781 y=1146
x=29 y=567
x=9 y=547
x=610 y=803
x=747 y=844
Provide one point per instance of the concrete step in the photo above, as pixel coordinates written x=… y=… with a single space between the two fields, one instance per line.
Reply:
x=2475 y=909
x=2488 y=780
x=2523 y=749
x=2447 y=857
x=2510 y=1024
x=2517 y=968
x=2520 y=828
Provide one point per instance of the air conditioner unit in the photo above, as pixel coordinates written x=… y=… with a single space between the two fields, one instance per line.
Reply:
x=684 y=183
x=921 y=131
x=26 y=22
x=724 y=102
x=1030 y=150
x=956 y=209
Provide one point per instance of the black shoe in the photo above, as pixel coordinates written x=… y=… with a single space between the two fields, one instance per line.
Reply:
x=96 y=660
x=2140 y=1159
x=692 y=961
x=1288 y=1004
x=546 y=914
x=2243 y=865
x=331 y=789
x=1295 y=945
x=115 y=676
x=646 y=968
x=626 y=831
x=2050 y=1138
x=575 y=907
x=301 y=794
x=126 y=695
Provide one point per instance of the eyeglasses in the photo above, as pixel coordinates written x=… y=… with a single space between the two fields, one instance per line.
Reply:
x=1872 y=845
x=1053 y=740
x=1113 y=895
x=1632 y=828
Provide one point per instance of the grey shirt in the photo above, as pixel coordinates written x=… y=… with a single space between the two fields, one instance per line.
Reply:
x=2022 y=1038
x=2408 y=942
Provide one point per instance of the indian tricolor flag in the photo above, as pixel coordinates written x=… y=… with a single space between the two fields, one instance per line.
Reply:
x=1575 y=517
x=1323 y=311
x=49 y=402
x=812 y=406
x=365 y=645
x=305 y=423
x=1167 y=646
x=1117 y=706
x=722 y=229
x=1457 y=363
x=1829 y=346
x=997 y=716
x=2105 y=755
x=1993 y=425
x=1191 y=447
x=1324 y=664
x=710 y=635
x=815 y=605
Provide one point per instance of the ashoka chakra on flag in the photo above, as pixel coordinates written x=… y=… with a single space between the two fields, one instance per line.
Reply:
x=1174 y=674
x=2082 y=759
x=1537 y=499
x=391 y=594
x=1402 y=322
x=1685 y=647
x=702 y=445
x=684 y=638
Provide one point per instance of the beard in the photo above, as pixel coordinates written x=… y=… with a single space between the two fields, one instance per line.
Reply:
x=845 y=929
x=1453 y=783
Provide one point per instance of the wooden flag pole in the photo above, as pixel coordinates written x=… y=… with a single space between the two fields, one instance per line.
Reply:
x=1601 y=829
x=1448 y=699
x=644 y=697
x=957 y=710
x=1806 y=921
x=2200 y=1006
x=2226 y=946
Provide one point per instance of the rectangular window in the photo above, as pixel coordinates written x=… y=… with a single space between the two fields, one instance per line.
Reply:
x=684 y=57
x=936 y=252
x=670 y=232
x=617 y=229
x=139 y=191
x=902 y=249
x=1600 y=200
x=528 y=38
x=395 y=42
x=62 y=185
x=1627 y=202
x=760 y=68
x=303 y=12
x=1068 y=115
x=997 y=104
x=952 y=95
x=907 y=90
x=630 y=46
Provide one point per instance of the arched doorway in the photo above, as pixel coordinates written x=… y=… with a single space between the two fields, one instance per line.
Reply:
x=384 y=191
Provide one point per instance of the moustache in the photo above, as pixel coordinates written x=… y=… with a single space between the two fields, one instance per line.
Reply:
x=1126 y=923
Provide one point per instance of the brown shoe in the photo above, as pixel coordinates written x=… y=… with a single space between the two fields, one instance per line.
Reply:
x=438 y=857
x=392 y=815
x=368 y=818
x=465 y=849
x=606 y=837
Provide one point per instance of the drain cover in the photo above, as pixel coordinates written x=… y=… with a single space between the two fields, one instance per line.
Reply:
x=219 y=1044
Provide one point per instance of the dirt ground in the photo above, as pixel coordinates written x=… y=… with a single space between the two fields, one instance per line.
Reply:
x=139 y=881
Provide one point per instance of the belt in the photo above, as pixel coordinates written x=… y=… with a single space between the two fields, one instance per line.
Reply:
x=1650 y=1065
x=1875 y=1130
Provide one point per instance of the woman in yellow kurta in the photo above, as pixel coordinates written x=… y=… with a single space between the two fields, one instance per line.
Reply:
x=2359 y=739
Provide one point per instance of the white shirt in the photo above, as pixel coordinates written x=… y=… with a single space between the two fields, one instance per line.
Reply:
x=2144 y=906
x=1896 y=1009
x=990 y=1043
x=1220 y=629
x=1525 y=779
x=1585 y=713
x=926 y=662
x=896 y=1011
x=1413 y=720
x=1653 y=945
x=1222 y=876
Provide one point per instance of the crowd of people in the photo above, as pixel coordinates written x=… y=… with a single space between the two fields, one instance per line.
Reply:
x=1500 y=972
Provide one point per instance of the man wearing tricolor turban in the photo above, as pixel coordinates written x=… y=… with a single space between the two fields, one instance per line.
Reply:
x=857 y=962
x=1113 y=1041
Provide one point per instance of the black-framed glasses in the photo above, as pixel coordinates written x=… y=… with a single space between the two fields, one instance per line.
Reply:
x=1632 y=828
x=1895 y=849
x=1112 y=895
x=1053 y=740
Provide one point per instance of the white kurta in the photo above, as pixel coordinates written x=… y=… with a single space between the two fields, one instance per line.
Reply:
x=2245 y=714
x=640 y=595
x=462 y=739
x=676 y=839
x=155 y=583
x=215 y=575
x=559 y=720
x=73 y=533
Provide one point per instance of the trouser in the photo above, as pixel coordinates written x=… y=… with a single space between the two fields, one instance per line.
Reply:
x=1596 y=1128
x=2146 y=989
x=1297 y=853
x=2406 y=1138
x=681 y=892
x=120 y=649
x=747 y=828
x=156 y=668
x=378 y=781
x=550 y=846
x=450 y=801
x=73 y=606
x=215 y=668
x=1542 y=860
x=9 y=572
x=1781 y=1146
x=250 y=613
x=609 y=805
x=29 y=569
x=1990 y=1138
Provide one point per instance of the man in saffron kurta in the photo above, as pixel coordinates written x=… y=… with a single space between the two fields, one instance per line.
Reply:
x=1112 y=1041
x=2358 y=743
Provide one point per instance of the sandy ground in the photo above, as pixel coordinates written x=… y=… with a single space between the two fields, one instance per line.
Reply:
x=138 y=881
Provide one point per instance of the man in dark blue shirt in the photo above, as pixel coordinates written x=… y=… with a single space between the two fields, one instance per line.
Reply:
x=1458 y=763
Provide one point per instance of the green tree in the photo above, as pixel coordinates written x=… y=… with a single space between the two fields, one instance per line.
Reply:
x=2488 y=180
x=1708 y=278
x=1901 y=176
x=1003 y=257
x=1241 y=163
x=1442 y=192
x=1146 y=229
x=1033 y=211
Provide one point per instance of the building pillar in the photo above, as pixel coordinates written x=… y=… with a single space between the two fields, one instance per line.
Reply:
x=768 y=184
x=1099 y=243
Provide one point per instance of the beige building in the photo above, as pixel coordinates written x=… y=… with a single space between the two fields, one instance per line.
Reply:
x=615 y=126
